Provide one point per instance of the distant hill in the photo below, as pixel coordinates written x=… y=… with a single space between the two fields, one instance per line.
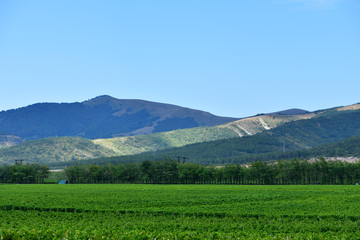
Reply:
x=102 y=117
x=298 y=138
x=42 y=151
x=296 y=135
x=178 y=138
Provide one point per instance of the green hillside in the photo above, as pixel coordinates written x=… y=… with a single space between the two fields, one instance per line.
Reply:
x=349 y=147
x=64 y=149
x=269 y=145
x=297 y=135
x=178 y=138
x=49 y=150
x=159 y=141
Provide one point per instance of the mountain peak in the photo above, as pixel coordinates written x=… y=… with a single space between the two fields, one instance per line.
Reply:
x=292 y=111
x=100 y=98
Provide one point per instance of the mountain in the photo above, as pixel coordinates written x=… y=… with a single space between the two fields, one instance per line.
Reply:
x=102 y=117
x=42 y=151
x=297 y=138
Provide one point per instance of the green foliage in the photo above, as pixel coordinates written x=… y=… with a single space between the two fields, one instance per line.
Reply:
x=24 y=173
x=179 y=212
x=172 y=172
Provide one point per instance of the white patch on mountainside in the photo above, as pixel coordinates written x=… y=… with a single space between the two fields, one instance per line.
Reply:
x=244 y=129
x=236 y=130
x=264 y=124
x=341 y=159
x=350 y=107
x=104 y=144
x=82 y=154
x=257 y=124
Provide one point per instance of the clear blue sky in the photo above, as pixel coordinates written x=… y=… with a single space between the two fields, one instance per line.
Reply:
x=231 y=57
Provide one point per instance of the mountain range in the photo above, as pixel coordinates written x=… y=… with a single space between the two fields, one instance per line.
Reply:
x=330 y=133
x=217 y=141
x=64 y=149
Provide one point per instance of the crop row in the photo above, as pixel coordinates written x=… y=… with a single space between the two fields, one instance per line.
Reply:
x=97 y=225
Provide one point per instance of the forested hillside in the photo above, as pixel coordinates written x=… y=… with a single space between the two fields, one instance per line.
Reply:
x=291 y=137
x=49 y=150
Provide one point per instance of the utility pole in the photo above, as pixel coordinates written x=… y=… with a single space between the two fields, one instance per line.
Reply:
x=18 y=161
x=183 y=159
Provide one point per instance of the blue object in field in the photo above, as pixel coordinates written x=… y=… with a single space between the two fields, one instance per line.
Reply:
x=63 y=182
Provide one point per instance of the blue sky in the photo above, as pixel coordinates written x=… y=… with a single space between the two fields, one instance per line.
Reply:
x=231 y=58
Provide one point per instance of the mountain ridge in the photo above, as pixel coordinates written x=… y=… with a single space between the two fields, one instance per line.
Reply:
x=102 y=117
x=80 y=149
x=129 y=145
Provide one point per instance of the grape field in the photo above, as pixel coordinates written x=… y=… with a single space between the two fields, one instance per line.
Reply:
x=126 y=211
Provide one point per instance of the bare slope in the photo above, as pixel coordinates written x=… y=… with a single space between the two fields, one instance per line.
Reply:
x=254 y=125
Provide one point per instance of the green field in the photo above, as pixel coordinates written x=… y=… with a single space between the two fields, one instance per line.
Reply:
x=179 y=212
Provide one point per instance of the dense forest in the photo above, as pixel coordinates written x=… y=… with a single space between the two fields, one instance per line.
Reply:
x=173 y=172
x=24 y=173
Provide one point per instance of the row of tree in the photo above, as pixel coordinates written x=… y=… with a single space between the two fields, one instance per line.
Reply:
x=24 y=173
x=172 y=172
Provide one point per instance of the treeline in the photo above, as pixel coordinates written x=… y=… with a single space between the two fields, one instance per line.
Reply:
x=24 y=173
x=172 y=172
